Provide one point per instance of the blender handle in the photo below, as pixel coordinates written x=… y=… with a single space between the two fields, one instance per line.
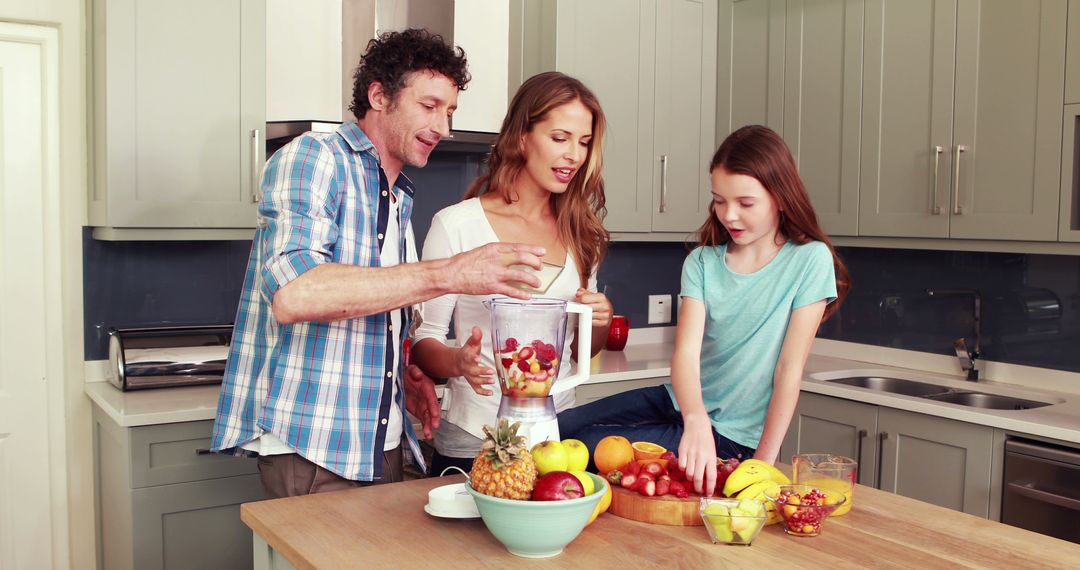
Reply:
x=584 y=347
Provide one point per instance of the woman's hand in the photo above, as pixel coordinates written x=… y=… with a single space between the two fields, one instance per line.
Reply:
x=697 y=453
x=469 y=364
x=601 y=306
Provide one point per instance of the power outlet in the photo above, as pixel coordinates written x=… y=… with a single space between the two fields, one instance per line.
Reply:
x=659 y=309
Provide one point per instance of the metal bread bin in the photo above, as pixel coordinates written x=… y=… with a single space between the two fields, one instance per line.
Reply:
x=163 y=357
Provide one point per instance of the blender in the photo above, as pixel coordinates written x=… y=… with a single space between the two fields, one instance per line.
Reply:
x=527 y=338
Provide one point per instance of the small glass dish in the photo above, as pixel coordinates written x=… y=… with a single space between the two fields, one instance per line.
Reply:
x=804 y=508
x=733 y=521
x=547 y=274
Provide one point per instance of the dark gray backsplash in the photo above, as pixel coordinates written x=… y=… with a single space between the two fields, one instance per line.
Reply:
x=1030 y=302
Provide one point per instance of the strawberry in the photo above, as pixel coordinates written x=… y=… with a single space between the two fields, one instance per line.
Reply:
x=648 y=488
x=676 y=474
x=511 y=344
x=633 y=467
x=670 y=457
x=628 y=481
x=615 y=477
x=507 y=362
x=524 y=365
x=653 y=468
x=526 y=353
x=662 y=487
x=678 y=489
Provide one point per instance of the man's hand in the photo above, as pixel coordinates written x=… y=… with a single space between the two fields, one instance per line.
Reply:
x=601 y=306
x=420 y=399
x=488 y=270
x=469 y=364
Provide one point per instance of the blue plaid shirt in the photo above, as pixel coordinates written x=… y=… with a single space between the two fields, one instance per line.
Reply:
x=323 y=388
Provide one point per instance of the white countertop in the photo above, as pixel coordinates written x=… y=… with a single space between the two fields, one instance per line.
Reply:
x=649 y=356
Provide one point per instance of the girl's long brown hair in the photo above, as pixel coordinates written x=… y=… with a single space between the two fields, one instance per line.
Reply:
x=757 y=151
x=579 y=212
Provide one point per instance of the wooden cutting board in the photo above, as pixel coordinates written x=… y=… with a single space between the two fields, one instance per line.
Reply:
x=667 y=510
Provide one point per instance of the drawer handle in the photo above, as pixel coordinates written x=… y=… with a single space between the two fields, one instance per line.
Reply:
x=858 y=449
x=957 y=208
x=1027 y=489
x=256 y=166
x=202 y=451
x=881 y=455
x=934 y=208
x=663 y=183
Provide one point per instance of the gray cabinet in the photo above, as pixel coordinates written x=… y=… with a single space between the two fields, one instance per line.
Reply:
x=591 y=392
x=797 y=68
x=652 y=64
x=163 y=502
x=178 y=113
x=940 y=461
x=961 y=119
x=1069 y=228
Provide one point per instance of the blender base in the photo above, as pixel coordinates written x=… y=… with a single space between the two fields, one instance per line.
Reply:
x=537 y=417
x=536 y=432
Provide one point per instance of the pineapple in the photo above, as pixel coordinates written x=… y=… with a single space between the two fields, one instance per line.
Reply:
x=504 y=467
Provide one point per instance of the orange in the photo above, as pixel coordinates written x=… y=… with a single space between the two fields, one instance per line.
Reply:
x=611 y=453
x=647 y=450
x=602 y=506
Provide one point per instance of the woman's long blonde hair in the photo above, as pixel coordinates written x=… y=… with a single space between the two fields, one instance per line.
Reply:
x=579 y=212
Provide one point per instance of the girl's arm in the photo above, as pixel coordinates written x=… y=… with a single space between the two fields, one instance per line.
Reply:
x=697 y=449
x=441 y=361
x=800 y=334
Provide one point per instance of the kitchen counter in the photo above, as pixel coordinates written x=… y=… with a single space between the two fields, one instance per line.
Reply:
x=385 y=526
x=649 y=356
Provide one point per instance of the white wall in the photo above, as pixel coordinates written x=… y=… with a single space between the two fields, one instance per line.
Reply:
x=70 y=446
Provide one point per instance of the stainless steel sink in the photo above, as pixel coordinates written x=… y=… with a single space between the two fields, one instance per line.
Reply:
x=988 y=401
x=893 y=385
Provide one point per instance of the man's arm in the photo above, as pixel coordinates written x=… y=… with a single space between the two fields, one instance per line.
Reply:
x=334 y=291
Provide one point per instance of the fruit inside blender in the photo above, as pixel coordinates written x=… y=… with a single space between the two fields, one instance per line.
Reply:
x=527 y=370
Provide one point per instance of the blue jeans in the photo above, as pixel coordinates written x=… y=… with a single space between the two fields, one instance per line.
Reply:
x=645 y=414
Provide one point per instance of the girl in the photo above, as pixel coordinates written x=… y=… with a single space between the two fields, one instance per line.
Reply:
x=542 y=186
x=754 y=292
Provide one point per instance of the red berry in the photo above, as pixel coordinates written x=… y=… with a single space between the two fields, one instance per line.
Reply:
x=507 y=362
x=511 y=344
x=526 y=353
x=544 y=364
x=628 y=480
x=523 y=365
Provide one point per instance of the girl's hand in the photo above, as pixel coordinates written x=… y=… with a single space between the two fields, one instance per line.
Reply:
x=601 y=306
x=697 y=453
x=470 y=365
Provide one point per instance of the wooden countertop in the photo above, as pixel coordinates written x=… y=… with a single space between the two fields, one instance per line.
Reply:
x=385 y=526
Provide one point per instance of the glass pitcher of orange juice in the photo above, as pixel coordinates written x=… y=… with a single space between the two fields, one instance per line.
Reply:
x=833 y=474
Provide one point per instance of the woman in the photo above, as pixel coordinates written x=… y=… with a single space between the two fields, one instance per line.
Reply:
x=542 y=186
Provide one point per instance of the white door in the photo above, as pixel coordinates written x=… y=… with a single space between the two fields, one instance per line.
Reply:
x=29 y=289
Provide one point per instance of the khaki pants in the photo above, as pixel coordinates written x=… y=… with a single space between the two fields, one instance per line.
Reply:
x=289 y=475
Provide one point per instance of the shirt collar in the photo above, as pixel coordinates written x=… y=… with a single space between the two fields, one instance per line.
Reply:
x=359 y=142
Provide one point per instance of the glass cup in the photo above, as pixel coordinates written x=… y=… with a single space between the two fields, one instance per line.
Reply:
x=835 y=475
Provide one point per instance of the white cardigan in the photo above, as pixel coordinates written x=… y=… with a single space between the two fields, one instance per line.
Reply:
x=462 y=227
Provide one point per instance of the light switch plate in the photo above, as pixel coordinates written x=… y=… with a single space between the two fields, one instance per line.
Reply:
x=659 y=309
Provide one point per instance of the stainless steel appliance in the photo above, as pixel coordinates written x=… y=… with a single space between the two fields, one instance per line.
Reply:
x=162 y=357
x=1042 y=488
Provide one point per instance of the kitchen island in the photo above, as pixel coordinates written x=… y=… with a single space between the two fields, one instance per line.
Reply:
x=386 y=526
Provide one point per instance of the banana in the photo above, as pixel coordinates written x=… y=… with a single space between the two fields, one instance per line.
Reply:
x=757 y=492
x=775 y=474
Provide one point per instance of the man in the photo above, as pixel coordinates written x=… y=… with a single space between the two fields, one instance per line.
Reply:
x=313 y=382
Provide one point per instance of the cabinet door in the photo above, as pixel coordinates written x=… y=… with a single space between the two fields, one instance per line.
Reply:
x=750 y=65
x=907 y=118
x=194 y=525
x=684 y=113
x=943 y=462
x=1010 y=74
x=823 y=104
x=180 y=100
x=823 y=424
x=609 y=45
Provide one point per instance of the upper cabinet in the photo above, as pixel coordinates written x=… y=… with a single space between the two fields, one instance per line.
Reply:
x=178 y=113
x=652 y=64
x=305 y=67
x=961 y=128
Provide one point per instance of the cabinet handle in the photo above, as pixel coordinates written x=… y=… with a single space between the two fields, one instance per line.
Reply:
x=957 y=209
x=934 y=208
x=881 y=455
x=1027 y=489
x=256 y=195
x=858 y=448
x=202 y=451
x=663 y=183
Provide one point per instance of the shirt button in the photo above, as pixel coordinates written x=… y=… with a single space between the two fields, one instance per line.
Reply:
x=389 y=374
x=383 y=421
x=384 y=192
x=380 y=236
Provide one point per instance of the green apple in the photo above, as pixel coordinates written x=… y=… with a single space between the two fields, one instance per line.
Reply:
x=746 y=518
x=579 y=454
x=586 y=481
x=720 y=520
x=550 y=456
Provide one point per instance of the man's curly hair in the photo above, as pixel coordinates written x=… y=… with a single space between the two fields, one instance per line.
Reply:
x=390 y=57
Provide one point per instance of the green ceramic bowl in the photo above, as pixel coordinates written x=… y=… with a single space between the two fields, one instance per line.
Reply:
x=537 y=529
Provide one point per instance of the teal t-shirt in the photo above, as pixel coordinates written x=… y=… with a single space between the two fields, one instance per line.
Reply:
x=746 y=319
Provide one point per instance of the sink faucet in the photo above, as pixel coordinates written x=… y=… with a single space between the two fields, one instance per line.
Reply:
x=967 y=357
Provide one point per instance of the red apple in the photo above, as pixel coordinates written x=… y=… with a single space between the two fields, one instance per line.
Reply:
x=557 y=486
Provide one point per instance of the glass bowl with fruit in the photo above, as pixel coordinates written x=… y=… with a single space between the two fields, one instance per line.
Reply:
x=733 y=521
x=804 y=508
